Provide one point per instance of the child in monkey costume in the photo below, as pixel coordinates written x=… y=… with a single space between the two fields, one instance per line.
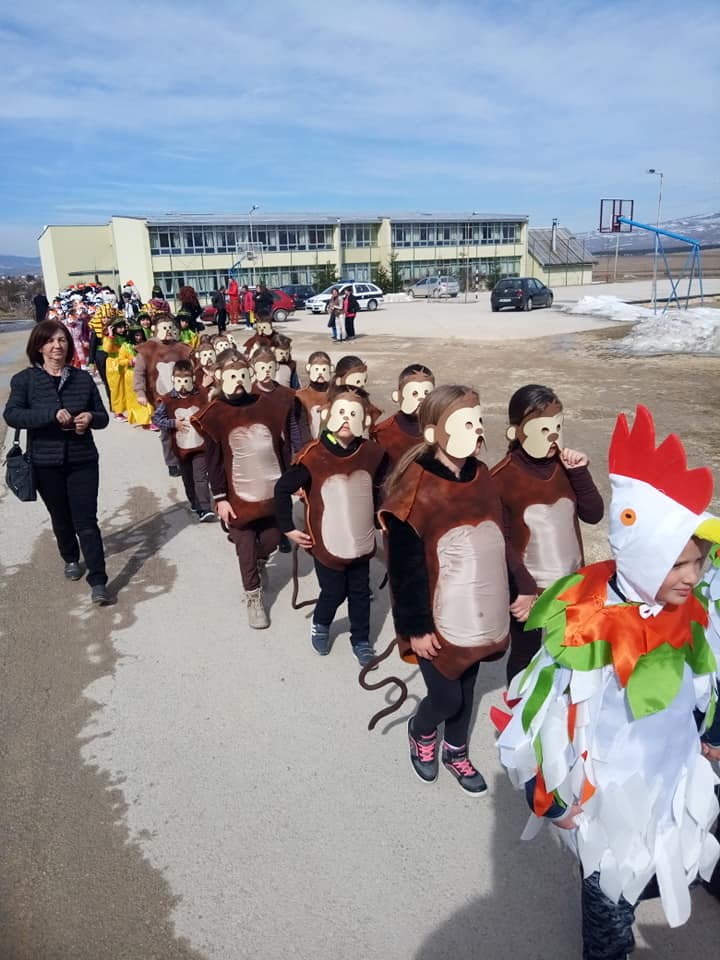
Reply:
x=243 y=434
x=338 y=476
x=545 y=489
x=313 y=397
x=204 y=359
x=448 y=575
x=287 y=368
x=353 y=372
x=173 y=414
x=400 y=432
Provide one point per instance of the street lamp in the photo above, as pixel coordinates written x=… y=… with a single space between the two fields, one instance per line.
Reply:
x=656 y=173
x=251 y=211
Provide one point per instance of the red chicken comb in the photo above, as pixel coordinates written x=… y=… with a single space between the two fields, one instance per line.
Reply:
x=633 y=454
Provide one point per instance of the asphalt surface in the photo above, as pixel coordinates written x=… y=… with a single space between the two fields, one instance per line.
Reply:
x=175 y=785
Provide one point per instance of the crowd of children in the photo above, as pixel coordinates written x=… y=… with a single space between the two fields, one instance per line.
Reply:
x=612 y=671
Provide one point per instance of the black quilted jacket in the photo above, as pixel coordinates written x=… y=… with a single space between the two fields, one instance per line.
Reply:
x=33 y=404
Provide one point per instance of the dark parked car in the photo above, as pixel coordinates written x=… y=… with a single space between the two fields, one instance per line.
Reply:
x=521 y=293
x=300 y=292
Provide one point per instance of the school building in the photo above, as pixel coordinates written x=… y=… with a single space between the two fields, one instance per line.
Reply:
x=204 y=250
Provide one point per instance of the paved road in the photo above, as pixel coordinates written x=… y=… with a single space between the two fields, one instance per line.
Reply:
x=177 y=786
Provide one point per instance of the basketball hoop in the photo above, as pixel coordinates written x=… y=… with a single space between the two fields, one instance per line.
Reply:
x=610 y=213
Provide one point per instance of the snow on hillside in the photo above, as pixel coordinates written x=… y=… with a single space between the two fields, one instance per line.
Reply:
x=696 y=330
x=705 y=228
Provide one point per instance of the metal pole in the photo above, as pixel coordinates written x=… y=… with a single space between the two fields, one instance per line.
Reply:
x=252 y=210
x=656 y=173
x=617 y=247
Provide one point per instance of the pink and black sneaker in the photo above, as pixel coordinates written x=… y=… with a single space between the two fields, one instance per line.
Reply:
x=424 y=755
x=455 y=759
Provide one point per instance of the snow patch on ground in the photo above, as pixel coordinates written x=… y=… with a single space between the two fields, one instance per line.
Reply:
x=696 y=330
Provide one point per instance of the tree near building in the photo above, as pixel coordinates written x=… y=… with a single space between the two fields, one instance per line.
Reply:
x=324 y=275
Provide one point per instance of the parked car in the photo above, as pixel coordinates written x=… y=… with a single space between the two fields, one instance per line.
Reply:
x=368 y=295
x=435 y=287
x=521 y=293
x=300 y=292
x=283 y=305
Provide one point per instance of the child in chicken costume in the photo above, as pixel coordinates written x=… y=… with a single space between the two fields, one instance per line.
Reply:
x=603 y=734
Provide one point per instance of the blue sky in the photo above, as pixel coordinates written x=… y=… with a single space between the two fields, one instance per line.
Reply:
x=380 y=106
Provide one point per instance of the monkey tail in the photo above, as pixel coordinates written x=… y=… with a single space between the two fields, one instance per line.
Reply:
x=383 y=582
x=400 y=684
x=296 y=585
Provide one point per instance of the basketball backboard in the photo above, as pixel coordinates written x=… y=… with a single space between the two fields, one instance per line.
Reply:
x=610 y=210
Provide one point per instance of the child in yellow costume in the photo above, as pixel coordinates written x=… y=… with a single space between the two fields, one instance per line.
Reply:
x=115 y=367
x=137 y=415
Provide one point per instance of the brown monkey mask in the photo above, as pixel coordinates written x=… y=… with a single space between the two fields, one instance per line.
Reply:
x=347 y=416
x=166 y=330
x=221 y=343
x=354 y=377
x=206 y=355
x=540 y=432
x=319 y=371
x=234 y=377
x=264 y=328
x=265 y=369
x=411 y=392
x=460 y=431
x=183 y=383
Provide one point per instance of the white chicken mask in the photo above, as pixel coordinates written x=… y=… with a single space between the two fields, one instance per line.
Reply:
x=656 y=506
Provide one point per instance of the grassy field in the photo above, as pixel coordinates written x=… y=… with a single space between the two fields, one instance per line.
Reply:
x=640 y=266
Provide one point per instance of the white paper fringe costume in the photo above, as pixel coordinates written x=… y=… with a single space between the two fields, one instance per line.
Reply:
x=605 y=712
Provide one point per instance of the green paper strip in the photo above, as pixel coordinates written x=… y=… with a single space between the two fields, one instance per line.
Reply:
x=537 y=698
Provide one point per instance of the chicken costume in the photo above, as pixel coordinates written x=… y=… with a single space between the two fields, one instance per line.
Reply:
x=605 y=711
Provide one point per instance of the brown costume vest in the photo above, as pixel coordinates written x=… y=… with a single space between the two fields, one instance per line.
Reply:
x=204 y=379
x=543 y=518
x=312 y=400
x=159 y=358
x=460 y=525
x=393 y=439
x=185 y=442
x=251 y=441
x=339 y=509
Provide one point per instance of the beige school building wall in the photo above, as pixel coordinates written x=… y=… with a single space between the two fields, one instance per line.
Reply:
x=71 y=254
x=121 y=250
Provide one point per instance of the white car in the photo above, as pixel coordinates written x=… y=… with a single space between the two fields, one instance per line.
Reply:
x=435 y=287
x=368 y=295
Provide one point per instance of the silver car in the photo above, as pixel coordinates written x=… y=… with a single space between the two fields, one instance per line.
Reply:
x=435 y=287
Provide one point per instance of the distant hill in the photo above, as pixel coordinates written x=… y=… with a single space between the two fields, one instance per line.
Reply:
x=18 y=266
x=705 y=228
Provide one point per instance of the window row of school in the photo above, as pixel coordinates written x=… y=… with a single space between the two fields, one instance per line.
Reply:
x=204 y=251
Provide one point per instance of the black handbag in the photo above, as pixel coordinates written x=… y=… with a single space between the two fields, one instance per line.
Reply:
x=19 y=472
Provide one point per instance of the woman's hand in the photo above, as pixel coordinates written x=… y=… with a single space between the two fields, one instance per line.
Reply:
x=572 y=459
x=426 y=646
x=300 y=538
x=82 y=421
x=64 y=418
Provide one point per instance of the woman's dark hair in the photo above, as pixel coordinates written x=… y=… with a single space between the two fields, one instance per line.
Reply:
x=188 y=297
x=533 y=398
x=42 y=333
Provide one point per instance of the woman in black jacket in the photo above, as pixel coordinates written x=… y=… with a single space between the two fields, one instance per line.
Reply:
x=59 y=406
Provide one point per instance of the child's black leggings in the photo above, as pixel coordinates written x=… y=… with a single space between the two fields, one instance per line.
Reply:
x=447 y=700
